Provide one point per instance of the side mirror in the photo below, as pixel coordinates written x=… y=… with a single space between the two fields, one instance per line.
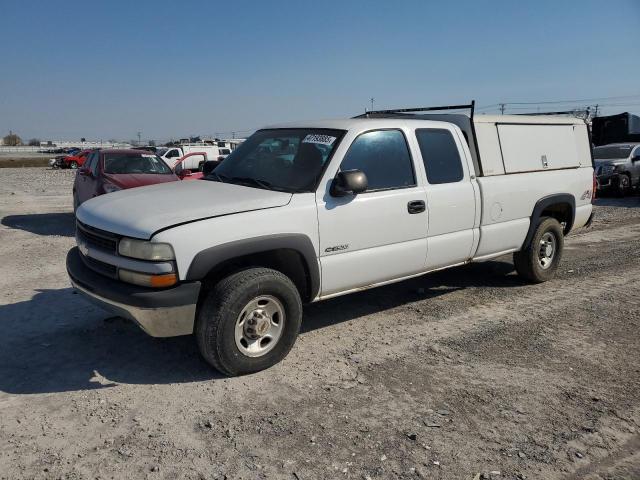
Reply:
x=209 y=166
x=349 y=182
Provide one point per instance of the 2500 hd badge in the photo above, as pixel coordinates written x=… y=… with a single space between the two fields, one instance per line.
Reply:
x=337 y=248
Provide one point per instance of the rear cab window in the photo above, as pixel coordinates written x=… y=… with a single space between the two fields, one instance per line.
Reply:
x=440 y=155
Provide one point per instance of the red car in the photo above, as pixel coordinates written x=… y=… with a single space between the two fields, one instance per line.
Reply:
x=186 y=174
x=106 y=171
x=76 y=160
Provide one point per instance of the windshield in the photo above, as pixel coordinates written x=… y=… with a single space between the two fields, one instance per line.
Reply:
x=289 y=160
x=607 y=153
x=122 y=163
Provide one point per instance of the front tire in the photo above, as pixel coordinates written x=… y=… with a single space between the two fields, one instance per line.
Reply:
x=248 y=321
x=73 y=165
x=539 y=261
x=624 y=185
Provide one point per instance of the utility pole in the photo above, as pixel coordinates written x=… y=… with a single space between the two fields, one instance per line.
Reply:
x=233 y=135
x=372 y=100
x=139 y=136
x=595 y=114
x=502 y=108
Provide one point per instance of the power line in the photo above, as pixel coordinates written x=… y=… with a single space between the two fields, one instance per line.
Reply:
x=573 y=101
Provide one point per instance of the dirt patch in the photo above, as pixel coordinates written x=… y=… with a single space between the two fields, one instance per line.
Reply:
x=23 y=162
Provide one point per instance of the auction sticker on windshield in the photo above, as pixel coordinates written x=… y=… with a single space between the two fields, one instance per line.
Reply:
x=320 y=139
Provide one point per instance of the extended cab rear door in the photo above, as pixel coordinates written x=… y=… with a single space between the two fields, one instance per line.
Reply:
x=453 y=197
x=378 y=235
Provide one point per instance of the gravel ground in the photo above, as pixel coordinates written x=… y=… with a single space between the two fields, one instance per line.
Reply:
x=462 y=374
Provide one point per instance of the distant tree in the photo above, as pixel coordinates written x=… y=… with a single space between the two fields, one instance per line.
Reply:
x=152 y=143
x=34 y=142
x=12 y=140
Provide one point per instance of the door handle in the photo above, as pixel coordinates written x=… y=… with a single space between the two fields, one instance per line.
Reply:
x=416 y=206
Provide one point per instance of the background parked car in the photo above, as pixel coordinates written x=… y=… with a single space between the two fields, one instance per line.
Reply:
x=109 y=170
x=56 y=162
x=224 y=153
x=75 y=160
x=617 y=167
x=193 y=163
x=186 y=173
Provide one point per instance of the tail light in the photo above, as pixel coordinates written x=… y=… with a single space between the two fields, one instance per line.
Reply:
x=595 y=187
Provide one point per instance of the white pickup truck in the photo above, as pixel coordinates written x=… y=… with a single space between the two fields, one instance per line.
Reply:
x=308 y=211
x=171 y=155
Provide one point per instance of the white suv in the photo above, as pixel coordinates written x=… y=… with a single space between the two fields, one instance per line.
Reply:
x=305 y=212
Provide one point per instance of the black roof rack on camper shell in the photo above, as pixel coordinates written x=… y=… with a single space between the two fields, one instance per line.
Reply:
x=439 y=113
x=404 y=111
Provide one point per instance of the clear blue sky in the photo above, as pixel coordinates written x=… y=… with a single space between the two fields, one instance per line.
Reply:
x=107 y=69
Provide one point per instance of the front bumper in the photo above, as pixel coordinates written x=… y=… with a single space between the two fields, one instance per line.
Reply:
x=604 y=182
x=160 y=313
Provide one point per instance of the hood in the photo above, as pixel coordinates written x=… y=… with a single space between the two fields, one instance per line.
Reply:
x=131 y=180
x=609 y=161
x=140 y=212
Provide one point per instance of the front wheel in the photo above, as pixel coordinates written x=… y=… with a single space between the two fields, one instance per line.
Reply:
x=73 y=165
x=539 y=261
x=248 y=321
x=624 y=185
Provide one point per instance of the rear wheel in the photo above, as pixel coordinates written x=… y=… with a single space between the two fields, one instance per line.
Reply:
x=248 y=321
x=73 y=165
x=539 y=261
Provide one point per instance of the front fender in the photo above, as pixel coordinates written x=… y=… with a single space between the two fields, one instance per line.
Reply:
x=205 y=261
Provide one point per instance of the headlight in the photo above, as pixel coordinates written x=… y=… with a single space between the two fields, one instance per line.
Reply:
x=607 y=169
x=147 y=280
x=144 y=250
x=110 y=188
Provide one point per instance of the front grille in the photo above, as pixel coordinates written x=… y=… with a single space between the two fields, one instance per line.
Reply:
x=98 y=238
x=101 y=267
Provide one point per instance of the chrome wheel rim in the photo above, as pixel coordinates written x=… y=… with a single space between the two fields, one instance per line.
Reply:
x=259 y=326
x=547 y=250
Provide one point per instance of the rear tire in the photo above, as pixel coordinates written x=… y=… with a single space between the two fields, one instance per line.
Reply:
x=248 y=321
x=539 y=261
x=73 y=165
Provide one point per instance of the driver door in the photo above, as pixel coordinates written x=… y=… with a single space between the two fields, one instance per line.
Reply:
x=380 y=234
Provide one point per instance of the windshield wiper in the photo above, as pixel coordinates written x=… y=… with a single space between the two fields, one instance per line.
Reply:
x=252 y=181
